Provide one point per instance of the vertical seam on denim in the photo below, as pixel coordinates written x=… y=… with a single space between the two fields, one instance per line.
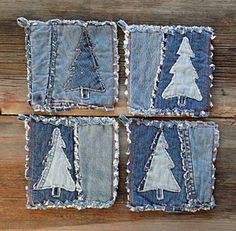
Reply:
x=112 y=40
x=112 y=167
x=31 y=165
x=77 y=162
x=29 y=62
x=187 y=164
x=158 y=72
x=52 y=64
x=129 y=75
x=131 y=164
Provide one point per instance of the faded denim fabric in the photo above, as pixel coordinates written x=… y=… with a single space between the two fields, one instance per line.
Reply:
x=71 y=64
x=171 y=165
x=169 y=69
x=71 y=162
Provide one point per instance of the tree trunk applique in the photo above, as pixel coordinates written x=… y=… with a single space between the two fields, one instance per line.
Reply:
x=183 y=83
x=55 y=174
x=159 y=176
x=84 y=75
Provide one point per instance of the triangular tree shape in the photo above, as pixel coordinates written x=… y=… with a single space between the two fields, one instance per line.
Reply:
x=159 y=176
x=183 y=83
x=55 y=174
x=84 y=75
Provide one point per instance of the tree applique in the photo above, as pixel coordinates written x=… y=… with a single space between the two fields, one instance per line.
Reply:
x=55 y=174
x=183 y=83
x=84 y=75
x=159 y=176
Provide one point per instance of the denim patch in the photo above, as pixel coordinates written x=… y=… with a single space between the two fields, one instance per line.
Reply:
x=169 y=69
x=71 y=161
x=171 y=165
x=71 y=63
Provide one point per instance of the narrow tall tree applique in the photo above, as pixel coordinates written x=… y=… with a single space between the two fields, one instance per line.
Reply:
x=159 y=176
x=55 y=174
x=84 y=75
x=183 y=83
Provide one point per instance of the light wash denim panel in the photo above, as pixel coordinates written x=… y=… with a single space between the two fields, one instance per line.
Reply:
x=71 y=63
x=71 y=161
x=169 y=69
x=171 y=165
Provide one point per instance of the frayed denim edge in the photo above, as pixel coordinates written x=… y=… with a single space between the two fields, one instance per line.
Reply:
x=164 y=29
x=160 y=124
x=23 y=22
x=72 y=122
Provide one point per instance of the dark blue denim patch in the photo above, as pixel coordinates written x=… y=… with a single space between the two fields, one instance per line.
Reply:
x=71 y=63
x=169 y=69
x=171 y=165
x=62 y=168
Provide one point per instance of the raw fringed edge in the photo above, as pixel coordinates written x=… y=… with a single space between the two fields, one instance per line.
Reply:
x=116 y=66
x=167 y=112
x=69 y=121
x=160 y=124
x=165 y=30
x=26 y=24
x=122 y=24
x=23 y=22
x=73 y=122
x=70 y=106
x=78 y=184
x=212 y=66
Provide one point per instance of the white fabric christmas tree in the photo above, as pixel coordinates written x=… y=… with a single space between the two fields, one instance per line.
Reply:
x=183 y=83
x=159 y=176
x=56 y=173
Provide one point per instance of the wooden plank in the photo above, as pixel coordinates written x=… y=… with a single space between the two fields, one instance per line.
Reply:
x=13 y=213
x=221 y=15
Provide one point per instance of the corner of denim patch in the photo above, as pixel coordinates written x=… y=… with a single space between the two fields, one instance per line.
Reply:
x=73 y=123
x=137 y=108
x=161 y=137
x=46 y=99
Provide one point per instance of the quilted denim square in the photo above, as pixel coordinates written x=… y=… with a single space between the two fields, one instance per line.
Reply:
x=71 y=162
x=171 y=165
x=71 y=63
x=169 y=69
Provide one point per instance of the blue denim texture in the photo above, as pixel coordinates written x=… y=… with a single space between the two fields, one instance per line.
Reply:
x=201 y=139
x=200 y=44
x=57 y=51
x=153 y=63
x=41 y=136
x=92 y=150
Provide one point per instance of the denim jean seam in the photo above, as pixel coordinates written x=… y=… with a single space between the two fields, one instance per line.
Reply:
x=52 y=64
x=180 y=124
x=77 y=55
x=73 y=122
x=187 y=165
x=128 y=29
x=27 y=24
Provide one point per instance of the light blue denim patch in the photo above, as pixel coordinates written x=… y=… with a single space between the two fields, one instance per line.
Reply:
x=71 y=161
x=171 y=165
x=71 y=63
x=169 y=69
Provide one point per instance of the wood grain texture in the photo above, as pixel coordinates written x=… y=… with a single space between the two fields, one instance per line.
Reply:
x=221 y=15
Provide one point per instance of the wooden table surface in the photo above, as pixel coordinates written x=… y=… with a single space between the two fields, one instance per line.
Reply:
x=221 y=15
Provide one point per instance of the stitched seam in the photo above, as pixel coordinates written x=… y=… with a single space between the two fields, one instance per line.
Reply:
x=52 y=64
x=113 y=59
x=31 y=165
x=131 y=164
x=112 y=167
